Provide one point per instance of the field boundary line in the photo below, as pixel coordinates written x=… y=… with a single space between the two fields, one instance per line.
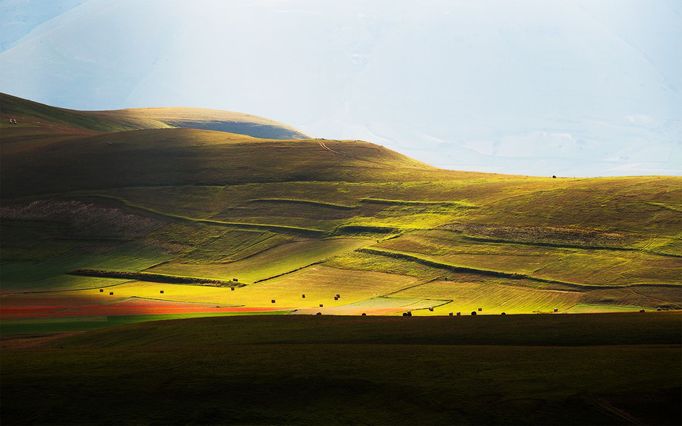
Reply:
x=568 y=246
x=459 y=268
x=235 y=225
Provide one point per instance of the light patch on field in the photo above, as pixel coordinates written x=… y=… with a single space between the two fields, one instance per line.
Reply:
x=383 y=305
x=584 y=266
x=278 y=260
x=320 y=284
x=492 y=298
x=129 y=299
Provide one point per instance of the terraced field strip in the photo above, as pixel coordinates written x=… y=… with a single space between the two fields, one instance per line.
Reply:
x=461 y=204
x=309 y=232
x=157 y=278
x=458 y=268
x=564 y=245
x=302 y=201
x=269 y=263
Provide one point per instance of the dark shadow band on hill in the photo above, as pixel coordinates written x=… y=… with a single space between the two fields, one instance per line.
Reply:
x=156 y=278
x=315 y=203
x=365 y=230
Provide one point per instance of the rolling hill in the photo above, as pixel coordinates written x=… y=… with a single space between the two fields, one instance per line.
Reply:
x=32 y=114
x=149 y=213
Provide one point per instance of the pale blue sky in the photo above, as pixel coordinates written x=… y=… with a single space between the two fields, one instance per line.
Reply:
x=569 y=87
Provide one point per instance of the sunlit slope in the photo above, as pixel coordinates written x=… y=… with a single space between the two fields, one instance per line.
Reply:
x=185 y=221
x=32 y=114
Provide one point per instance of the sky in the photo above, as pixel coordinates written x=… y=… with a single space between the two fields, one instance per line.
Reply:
x=535 y=87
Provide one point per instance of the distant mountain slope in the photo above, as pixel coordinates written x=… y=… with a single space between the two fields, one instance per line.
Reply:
x=35 y=114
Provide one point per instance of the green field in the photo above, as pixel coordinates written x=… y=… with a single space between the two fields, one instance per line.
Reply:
x=517 y=369
x=165 y=201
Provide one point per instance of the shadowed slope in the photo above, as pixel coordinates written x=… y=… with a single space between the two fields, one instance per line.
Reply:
x=577 y=369
x=163 y=157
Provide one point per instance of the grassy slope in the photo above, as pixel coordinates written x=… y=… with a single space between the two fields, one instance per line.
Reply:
x=205 y=204
x=572 y=369
x=32 y=114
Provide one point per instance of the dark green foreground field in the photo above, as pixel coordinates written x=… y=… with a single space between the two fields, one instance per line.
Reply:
x=520 y=369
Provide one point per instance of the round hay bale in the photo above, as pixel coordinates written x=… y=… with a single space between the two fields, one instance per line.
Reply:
x=473 y=313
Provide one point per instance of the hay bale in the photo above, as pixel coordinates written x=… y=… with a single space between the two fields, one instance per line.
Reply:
x=641 y=310
x=111 y=293
x=556 y=309
x=364 y=314
x=473 y=313
x=303 y=296
x=480 y=309
x=272 y=301
x=450 y=314
x=101 y=290
x=319 y=313
x=321 y=305
x=431 y=308
x=235 y=280
x=231 y=288
x=161 y=291
x=459 y=313
x=503 y=313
